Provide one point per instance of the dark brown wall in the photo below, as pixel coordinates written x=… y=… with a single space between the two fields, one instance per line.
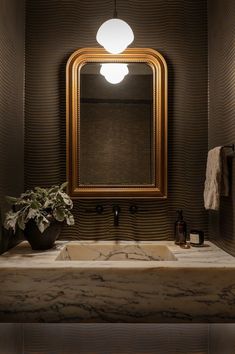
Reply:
x=176 y=28
x=221 y=339
x=221 y=24
x=103 y=338
x=117 y=338
x=11 y=338
x=11 y=103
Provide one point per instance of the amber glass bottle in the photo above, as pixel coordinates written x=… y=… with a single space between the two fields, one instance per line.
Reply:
x=180 y=229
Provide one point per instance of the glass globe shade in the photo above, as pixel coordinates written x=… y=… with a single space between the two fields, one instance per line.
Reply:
x=114 y=73
x=115 y=35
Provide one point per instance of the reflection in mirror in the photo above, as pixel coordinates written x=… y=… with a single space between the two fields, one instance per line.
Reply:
x=116 y=127
x=114 y=73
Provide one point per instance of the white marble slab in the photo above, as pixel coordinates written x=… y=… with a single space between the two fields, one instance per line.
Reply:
x=199 y=286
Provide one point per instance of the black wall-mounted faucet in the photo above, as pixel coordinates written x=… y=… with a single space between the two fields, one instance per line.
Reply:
x=116 y=211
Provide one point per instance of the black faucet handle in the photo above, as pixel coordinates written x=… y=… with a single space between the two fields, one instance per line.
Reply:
x=97 y=210
x=134 y=209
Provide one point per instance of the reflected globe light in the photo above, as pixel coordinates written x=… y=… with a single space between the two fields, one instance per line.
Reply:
x=115 y=35
x=114 y=73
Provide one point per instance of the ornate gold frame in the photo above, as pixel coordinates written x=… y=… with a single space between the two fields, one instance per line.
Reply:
x=82 y=56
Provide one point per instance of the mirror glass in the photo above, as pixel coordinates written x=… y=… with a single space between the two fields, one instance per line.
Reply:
x=116 y=127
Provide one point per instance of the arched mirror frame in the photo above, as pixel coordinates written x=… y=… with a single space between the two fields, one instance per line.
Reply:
x=132 y=55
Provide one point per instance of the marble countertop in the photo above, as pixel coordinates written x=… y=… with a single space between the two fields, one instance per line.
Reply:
x=197 y=287
x=22 y=256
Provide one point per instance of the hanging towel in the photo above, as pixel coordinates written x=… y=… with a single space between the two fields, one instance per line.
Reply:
x=217 y=181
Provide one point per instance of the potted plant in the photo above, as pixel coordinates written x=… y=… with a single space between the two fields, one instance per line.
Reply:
x=40 y=213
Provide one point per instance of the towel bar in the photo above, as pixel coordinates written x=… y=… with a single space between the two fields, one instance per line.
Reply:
x=231 y=146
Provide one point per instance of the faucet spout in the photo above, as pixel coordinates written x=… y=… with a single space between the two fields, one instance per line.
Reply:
x=116 y=211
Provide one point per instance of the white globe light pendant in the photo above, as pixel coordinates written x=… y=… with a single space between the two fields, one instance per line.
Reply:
x=114 y=73
x=115 y=35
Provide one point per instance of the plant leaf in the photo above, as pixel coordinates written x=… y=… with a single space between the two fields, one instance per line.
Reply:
x=42 y=223
x=11 y=200
x=11 y=220
x=70 y=219
x=21 y=221
x=59 y=214
x=32 y=213
x=64 y=185
x=66 y=199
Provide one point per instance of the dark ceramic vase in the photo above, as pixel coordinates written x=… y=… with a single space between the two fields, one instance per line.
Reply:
x=45 y=240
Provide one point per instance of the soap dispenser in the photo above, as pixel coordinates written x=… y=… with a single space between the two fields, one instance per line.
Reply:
x=180 y=229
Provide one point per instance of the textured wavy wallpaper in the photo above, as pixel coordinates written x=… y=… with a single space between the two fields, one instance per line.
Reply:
x=11 y=104
x=44 y=338
x=176 y=28
x=107 y=338
x=222 y=108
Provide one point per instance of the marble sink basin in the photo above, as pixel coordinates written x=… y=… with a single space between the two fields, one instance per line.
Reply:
x=117 y=281
x=110 y=251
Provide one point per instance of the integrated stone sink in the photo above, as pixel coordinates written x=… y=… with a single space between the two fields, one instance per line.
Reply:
x=117 y=281
x=110 y=251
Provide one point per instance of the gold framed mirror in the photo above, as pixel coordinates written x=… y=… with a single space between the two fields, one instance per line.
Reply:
x=116 y=132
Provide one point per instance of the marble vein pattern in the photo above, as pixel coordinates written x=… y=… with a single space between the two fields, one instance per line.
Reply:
x=182 y=285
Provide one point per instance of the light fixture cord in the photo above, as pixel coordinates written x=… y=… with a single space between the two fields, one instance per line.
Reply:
x=115 y=9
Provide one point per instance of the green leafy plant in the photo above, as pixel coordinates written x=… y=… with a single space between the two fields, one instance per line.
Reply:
x=43 y=205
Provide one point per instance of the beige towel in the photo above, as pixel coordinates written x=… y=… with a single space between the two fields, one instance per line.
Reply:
x=216 y=183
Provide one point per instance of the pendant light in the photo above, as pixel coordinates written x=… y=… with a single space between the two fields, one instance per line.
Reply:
x=115 y=35
x=114 y=73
